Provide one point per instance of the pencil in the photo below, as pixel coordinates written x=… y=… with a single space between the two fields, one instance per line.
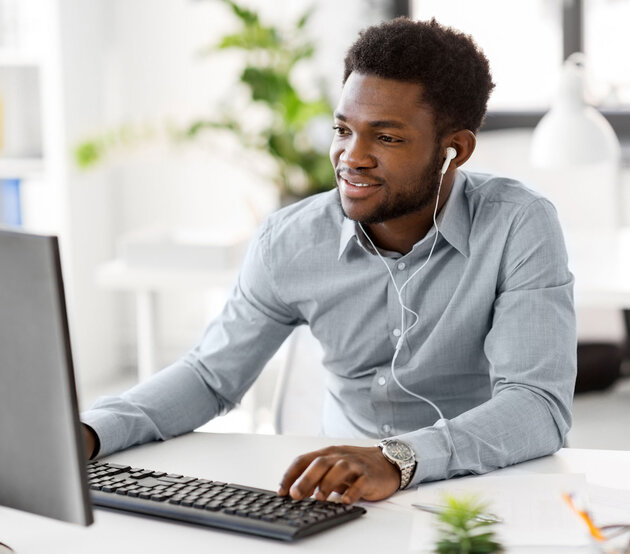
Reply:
x=583 y=514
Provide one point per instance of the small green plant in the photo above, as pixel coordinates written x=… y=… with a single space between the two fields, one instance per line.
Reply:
x=464 y=528
x=271 y=54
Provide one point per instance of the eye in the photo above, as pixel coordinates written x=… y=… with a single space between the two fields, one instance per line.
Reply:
x=388 y=139
x=340 y=131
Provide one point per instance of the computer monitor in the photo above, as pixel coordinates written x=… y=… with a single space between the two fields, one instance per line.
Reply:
x=42 y=459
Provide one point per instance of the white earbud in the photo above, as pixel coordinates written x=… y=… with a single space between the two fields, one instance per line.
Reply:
x=450 y=154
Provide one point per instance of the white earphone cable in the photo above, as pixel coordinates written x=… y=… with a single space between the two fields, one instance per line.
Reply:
x=404 y=308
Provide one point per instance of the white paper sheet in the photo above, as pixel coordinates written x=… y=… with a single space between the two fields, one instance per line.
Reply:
x=531 y=506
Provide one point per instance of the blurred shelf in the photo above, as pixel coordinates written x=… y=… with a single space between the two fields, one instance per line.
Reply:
x=20 y=168
x=10 y=58
x=116 y=274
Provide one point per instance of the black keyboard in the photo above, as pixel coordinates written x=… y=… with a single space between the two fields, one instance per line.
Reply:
x=212 y=503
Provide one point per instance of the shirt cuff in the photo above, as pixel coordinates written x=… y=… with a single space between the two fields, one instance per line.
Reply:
x=432 y=451
x=104 y=423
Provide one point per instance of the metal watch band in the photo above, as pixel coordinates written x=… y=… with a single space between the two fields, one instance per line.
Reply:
x=405 y=475
x=406 y=469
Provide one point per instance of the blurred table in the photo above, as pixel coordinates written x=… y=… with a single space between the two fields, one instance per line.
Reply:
x=146 y=283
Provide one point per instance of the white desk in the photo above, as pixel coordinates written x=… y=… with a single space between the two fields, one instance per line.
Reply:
x=259 y=460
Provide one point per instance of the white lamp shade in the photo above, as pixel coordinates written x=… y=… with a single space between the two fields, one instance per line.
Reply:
x=572 y=132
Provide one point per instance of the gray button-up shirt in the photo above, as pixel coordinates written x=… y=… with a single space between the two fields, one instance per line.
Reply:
x=494 y=347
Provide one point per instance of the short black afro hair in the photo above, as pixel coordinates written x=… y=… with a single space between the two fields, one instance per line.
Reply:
x=454 y=73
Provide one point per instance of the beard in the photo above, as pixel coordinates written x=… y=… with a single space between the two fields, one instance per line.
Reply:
x=416 y=196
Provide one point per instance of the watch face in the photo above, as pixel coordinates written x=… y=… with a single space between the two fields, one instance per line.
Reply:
x=399 y=451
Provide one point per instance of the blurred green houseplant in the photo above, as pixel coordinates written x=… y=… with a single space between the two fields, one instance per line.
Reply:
x=271 y=55
x=464 y=530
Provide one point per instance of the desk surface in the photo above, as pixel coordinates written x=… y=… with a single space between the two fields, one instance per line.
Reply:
x=259 y=460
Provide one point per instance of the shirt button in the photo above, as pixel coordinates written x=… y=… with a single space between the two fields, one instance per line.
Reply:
x=402 y=266
x=381 y=381
x=396 y=332
x=386 y=428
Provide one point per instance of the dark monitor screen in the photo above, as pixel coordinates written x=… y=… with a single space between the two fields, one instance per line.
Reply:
x=42 y=462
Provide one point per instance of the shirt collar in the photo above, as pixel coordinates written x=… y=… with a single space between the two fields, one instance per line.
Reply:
x=349 y=230
x=454 y=221
x=455 y=224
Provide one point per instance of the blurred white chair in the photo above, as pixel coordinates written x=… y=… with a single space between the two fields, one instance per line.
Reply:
x=299 y=393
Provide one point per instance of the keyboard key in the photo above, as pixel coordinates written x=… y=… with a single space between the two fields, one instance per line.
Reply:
x=114 y=471
x=177 y=479
x=140 y=474
x=116 y=466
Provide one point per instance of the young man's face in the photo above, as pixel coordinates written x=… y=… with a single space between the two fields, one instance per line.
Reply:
x=384 y=151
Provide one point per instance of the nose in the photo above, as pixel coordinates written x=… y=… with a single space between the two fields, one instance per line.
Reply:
x=356 y=153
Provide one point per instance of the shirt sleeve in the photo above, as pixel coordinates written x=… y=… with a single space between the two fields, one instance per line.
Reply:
x=213 y=377
x=531 y=347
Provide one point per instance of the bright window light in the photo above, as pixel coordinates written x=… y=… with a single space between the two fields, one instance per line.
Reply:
x=607 y=44
x=522 y=40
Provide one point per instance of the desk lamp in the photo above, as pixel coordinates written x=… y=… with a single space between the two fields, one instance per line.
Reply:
x=578 y=158
x=573 y=132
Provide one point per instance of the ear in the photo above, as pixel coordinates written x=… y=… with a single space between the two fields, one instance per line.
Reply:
x=464 y=141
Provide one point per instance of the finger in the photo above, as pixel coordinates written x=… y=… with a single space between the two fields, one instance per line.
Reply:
x=338 y=478
x=297 y=467
x=356 y=491
x=310 y=479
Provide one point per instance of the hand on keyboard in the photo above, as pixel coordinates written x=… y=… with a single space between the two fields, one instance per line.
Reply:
x=352 y=471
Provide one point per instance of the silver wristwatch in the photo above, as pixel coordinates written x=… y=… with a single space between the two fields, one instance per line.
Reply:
x=402 y=456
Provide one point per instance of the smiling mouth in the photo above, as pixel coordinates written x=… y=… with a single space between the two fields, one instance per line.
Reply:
x=357 y=192
x=360 y=185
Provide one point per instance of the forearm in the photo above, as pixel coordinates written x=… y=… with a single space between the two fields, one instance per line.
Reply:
x=516 y=425
x=173 y=402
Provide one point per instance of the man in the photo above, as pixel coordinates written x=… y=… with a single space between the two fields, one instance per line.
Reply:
x=442 y=299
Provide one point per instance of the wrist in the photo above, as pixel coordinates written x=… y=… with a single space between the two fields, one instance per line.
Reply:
x=402 y=457
x=91 y=441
